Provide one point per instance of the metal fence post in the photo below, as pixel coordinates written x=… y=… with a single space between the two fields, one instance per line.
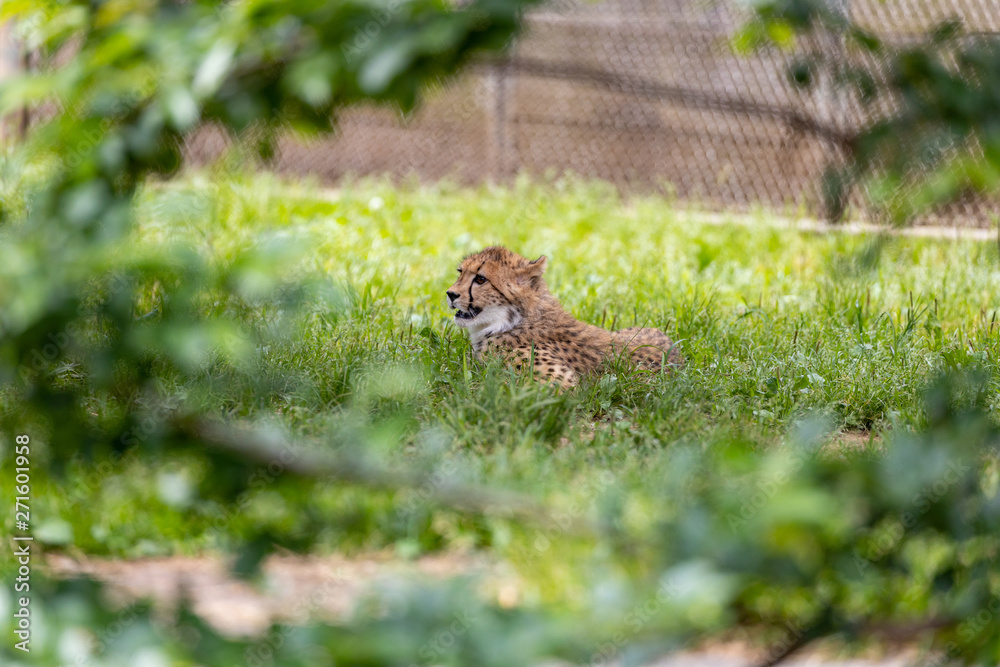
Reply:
x=497 y=119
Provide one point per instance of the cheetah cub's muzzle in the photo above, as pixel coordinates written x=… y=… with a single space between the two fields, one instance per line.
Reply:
x=470 y=313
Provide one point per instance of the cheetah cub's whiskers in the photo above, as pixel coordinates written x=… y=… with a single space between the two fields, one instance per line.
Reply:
x=502 y=299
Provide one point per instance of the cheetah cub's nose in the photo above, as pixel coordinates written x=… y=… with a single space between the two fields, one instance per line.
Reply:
x=451 y=296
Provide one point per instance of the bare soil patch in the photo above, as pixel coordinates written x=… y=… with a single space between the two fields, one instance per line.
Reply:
x=289 y=588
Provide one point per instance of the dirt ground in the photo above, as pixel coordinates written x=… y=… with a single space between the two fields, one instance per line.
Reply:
x=289 y=589
x=292 y=588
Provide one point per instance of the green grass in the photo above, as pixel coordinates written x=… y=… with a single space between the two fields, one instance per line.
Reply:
x=773 y=323
x=776 y=327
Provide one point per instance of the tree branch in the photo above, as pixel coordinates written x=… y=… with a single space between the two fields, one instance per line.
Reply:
x=686 y=97
x=253 y=446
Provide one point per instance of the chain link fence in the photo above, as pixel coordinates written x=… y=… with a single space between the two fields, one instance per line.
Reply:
x=646 y=94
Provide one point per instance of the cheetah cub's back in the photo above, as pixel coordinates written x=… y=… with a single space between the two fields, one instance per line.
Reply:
x=502 y=300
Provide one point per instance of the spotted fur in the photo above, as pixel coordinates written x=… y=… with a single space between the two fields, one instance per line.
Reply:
x=503 y=301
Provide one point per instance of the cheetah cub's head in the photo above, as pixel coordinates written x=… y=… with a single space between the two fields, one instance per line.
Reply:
x=494 y=291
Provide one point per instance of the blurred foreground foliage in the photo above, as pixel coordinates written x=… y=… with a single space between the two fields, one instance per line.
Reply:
x=98 y=331
x=798 y=543
x=923 y=128
x=83 y=317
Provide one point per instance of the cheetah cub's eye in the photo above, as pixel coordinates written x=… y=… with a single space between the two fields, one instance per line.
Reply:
x=479 y=280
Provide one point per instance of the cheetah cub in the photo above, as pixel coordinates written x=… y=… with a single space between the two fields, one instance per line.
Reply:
x=502 y=299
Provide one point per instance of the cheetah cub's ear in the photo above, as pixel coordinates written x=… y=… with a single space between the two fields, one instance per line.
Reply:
x=530 y=274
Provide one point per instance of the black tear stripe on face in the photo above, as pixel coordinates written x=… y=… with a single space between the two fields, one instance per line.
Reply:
x=473 y=282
